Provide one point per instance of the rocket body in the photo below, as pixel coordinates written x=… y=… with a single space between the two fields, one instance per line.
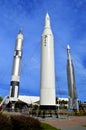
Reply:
x=72 y=92
x=15 y=79
x=47 y=83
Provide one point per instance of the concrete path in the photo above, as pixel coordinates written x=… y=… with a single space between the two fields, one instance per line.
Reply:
x=72 y=123
x=73 y=128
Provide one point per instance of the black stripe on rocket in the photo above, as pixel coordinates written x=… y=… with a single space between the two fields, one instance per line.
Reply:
x=18 y=53
x=13 y=85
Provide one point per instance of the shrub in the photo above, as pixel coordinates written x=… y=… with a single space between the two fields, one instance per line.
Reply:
x=22 y=123
x=25 y=123
x=5 y=123
x=80 y=113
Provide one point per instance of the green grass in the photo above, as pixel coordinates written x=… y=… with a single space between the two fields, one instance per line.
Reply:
x=45 y=126
x=84 y=125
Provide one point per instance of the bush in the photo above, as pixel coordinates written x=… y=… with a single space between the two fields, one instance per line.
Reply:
x=25 y=123
x=80 y=113
x=22 y=123
x=19 y=123
x=5 y=123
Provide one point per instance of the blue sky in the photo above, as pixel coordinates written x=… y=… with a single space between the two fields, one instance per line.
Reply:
x=68 y=22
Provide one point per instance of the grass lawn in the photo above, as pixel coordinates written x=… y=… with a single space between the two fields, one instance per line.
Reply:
x=48 y=127
x=84 y=125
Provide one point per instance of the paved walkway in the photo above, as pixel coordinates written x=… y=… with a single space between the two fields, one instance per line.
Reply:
x=73 y=128
x=72 y=123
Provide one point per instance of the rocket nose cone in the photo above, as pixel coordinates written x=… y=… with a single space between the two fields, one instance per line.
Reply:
x=20 y=34
x=47 y=15
x=47 y=21
x=20 y=31
x=68 y=47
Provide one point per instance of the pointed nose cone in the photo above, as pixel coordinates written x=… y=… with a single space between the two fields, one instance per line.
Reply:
x=68 y=47
x=47 y=21
x=47 y=15
x=20 y=34
x=20 y=31
x=68 y=52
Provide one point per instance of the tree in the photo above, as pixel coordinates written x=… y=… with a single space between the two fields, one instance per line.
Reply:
x=1 y=99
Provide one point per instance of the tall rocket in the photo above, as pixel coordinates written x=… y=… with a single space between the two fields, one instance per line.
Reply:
x=47 y=83
x=72 y=92
x=15 y=79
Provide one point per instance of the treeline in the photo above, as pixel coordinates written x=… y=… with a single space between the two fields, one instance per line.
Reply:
x=1 y=98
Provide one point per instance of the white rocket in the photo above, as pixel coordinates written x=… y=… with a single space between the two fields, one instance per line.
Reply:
x=47 y=83
x=73 y=102
x=15 y=79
